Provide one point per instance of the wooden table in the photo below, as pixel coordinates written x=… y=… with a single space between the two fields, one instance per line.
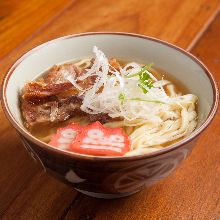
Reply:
x=192 y=192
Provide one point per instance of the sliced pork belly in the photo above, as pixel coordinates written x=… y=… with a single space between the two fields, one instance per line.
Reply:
x=53 y=98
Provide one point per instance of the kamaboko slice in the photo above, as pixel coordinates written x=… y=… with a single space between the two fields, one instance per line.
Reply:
x=65 y=136
x=97 y=140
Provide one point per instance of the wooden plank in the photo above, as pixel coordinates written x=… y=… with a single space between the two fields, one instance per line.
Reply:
x=81 y=17
x=19 y=19
x=173 y=21
x=192 y=192
x=17 y=167
x=44 y=198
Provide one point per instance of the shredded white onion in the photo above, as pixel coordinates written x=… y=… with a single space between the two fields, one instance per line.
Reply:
x=156 y=117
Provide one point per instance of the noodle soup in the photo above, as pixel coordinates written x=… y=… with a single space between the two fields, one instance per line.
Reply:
x=108 y=107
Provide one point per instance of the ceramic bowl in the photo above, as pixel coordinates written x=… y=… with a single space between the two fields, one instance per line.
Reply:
x=111 y=177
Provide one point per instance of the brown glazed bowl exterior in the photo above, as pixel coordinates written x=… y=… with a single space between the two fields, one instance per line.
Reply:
x=108 y=177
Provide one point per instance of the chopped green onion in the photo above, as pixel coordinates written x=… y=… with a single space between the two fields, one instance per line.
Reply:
x=145 y=100
x=145 y=82
x=144 y=68
x=122 y=98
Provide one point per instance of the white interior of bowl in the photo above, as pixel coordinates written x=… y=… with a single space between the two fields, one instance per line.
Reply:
x=178 y=64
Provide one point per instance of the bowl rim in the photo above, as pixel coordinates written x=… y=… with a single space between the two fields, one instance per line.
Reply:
x=73 y=155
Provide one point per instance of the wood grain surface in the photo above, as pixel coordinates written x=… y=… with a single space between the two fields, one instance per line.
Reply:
x=19 y=19
x=192 y=192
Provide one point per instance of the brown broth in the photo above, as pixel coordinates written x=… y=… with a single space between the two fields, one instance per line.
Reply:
x=45 y=131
